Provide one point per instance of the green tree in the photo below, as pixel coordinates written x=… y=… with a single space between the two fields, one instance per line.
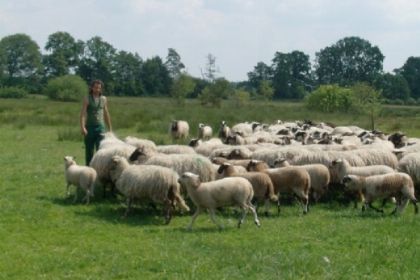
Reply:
x=173 y=63
x=20 y=60
x=262 y=72
x=64 y=54
x=393 y=86
x=411 y=72
x=215 y=92
x=265 y=90
x=291 y=73
x=241 y=97
x=127 y=69
x=329 y=99
x=348 y=61
x=66 y=88
x=181 y=88
x=367 y=100
x=156 y=79
x=98 y=63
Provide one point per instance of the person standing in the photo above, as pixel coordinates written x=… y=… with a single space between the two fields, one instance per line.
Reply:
x=93 y=118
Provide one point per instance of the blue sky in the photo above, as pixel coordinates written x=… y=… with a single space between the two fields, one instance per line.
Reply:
x=239 y=33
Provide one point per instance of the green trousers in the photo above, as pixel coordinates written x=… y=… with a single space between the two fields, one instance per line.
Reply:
x=92 y=139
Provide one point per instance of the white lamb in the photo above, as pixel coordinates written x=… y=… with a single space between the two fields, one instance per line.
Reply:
x=398 y=185
x=83 y=177
x=224 y=192
x=205 y=132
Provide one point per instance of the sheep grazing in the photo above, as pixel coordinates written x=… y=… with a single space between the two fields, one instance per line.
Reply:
x=83 y=177
x=179 y=129
x=286 y=180
x=147 y=182
x=233 y=191
x=319 y=173
x=261 y=183
x=398 y=185
x=205 y=132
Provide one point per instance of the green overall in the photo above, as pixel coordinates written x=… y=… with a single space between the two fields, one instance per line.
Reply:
x=95 y=126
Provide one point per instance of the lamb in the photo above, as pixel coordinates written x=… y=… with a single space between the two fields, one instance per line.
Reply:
x=224 y=192
x=179 y=162
x=179 y=129
x=83 y=177
x=261 y=183
x=384 y=186
x=287 y=180
x=319 y=173
x=155 y=183
x=224 y=131
x=204 y=131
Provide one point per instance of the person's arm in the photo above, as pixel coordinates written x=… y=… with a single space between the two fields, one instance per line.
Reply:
x=107 y=117
x=83 y=112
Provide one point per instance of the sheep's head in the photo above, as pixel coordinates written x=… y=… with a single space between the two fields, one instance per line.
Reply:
x=350 y=182
x=194 y=142
x=136 y=154
x=69 y=160
x=336 y=162
x=223 y=167
x=235 y=154
x=189 y=179
x=280 y=162
x=174 y=125
x=256 y=165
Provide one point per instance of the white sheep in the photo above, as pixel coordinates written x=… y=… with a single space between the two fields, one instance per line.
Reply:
x=290 y=179
x=233 y=191
x=398 y=185
x=319 y=173
x=205 y=132
x=205 y=148
x=410 y=164
x=83 y=177
x=179 y=129
x=261 y=183
x=175 y=149
x=147 y=182
x=145 y=144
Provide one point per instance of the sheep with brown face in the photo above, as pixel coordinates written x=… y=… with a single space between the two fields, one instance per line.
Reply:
x=233 y=191
x=398 y=185
x=290 y=179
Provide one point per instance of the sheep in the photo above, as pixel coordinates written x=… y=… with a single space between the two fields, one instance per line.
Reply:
x=179 y=162
x=242 y=129
x=156 y=183
x=110 y=140
x=319 y=173
x=82 y=177
x=145 y=144
x=205 y=148
x=286 y=179
x=384 y=186
x=224 y=131
x=224 y=192
x=221 y=160
x=261 y=183
x=175 y=149
x=179 y=129
x=204 y=131
x=410 y=164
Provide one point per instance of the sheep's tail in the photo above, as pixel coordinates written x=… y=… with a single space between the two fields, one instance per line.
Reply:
x=270 y=192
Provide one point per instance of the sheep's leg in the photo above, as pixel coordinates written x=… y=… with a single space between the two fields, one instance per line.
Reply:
x=278 y=207
x=197 y=212
x=254 y=212
x=403 y=204
x=416 y=208
x=128 y=208
x=75 y=195
x=87 y=197
x=266 y=207
x=168 y=212
x=213 y=218
x=305 y=202
x=241 y=220
x=68 y=190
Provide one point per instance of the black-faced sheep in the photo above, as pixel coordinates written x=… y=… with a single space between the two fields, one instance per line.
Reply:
x=234 y=191
x=179 y=129
x=83 y=177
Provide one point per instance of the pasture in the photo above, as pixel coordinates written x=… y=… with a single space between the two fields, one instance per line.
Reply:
x=45 y=236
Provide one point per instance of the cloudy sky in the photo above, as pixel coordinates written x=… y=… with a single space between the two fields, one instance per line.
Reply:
x=239 y=33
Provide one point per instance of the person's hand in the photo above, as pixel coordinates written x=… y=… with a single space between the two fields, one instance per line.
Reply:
x=84 y=131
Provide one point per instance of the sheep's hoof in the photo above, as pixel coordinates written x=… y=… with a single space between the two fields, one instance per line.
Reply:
x=258 y=223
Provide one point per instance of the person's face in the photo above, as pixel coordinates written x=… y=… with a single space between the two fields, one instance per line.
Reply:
x=97 y=88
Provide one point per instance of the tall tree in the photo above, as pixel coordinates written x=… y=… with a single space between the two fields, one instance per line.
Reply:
x=211 y=69
x=156 y=77
x=393 y=86
x=262 y=72
x=411 y=72
x=291 y=74
x=348 y=61
x=64 y=54
x=98 y=62
x=20 y=60
x=181 y=88
x=173 y=63
x=127 y=74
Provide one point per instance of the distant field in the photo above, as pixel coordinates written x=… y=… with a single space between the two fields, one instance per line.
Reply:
x=44 y=236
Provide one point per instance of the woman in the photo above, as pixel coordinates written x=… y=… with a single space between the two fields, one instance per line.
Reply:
x=93 y=117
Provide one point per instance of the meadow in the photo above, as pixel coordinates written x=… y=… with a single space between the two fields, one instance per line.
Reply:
x=45 y=236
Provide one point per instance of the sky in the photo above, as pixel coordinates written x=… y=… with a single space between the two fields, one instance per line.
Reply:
x=239 y=33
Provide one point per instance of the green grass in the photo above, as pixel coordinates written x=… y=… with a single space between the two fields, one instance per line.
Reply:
x=45 y=236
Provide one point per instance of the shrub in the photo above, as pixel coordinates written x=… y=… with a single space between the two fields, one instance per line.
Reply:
x=13 y=92
x=66 y=88
x=329 y=99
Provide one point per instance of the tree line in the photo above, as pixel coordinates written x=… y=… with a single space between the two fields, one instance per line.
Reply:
x=349 y=61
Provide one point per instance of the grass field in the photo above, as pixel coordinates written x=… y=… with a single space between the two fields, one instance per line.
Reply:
x=45 y=236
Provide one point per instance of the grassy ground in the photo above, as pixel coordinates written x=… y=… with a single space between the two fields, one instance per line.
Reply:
x=45 y=236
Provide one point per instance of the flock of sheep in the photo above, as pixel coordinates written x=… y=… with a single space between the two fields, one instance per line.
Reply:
x=252 y=163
